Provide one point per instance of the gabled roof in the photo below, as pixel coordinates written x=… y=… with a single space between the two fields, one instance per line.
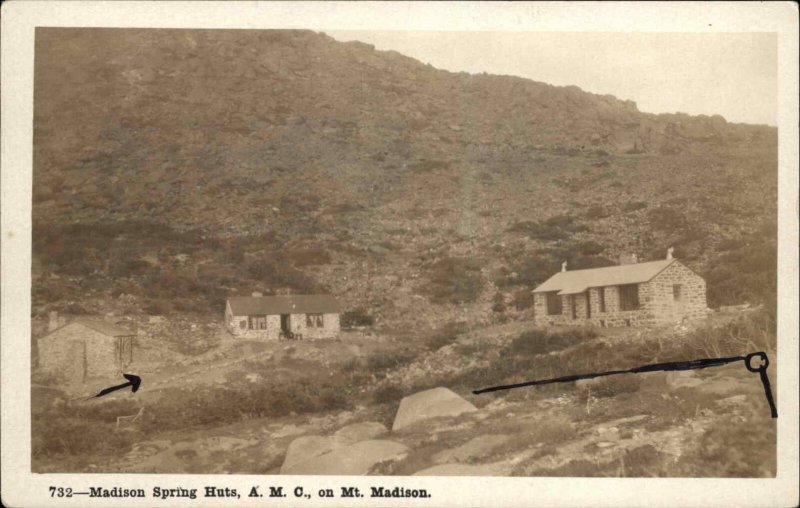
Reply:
x=99 y=325
x=290 y=304
x=578 y=281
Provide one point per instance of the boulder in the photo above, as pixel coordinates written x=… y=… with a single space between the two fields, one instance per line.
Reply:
x=362 y=431
x=430 y=404
x=340 y=458
x=307 y=448
x=476 y=448
x=459 y=470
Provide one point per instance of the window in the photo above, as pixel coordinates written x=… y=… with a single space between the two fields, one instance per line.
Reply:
x=258 y=322
x=553 y=303
x=601 y=295
x=243 y=324
x=676 y=292
x=629 y=297
x=314 y=320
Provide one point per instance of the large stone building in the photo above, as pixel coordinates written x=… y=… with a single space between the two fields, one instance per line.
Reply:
x=632 y=294
x=85 y=348
x=276 y=317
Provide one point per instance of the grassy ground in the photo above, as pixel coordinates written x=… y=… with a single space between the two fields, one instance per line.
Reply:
x=218 y=410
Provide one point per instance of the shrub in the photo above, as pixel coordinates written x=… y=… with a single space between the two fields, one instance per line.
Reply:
x=589 y=248
x=612 y=386
x=356 y=317
x=632 y=206
x=523 y=299
x=558 y=227
x=445 y=336
x=55 y=435
x=535 y=269
x=499 y=303
x=666 y=219
x=425 y=166
x=76 y=309
x=379 y=363
x=387 y=394
x=596 y=212
x=306 y=257
x=536 y=342
x=261 y=269
x=744 y=274
x=454 y=280
x=158 y=308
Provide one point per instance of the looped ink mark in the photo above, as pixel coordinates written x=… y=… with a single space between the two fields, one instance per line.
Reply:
x=762 y=372
x=764 y=361
x=703 y=363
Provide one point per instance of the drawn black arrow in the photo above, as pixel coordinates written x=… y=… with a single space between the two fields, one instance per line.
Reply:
x=133 y=381
x=760 y=368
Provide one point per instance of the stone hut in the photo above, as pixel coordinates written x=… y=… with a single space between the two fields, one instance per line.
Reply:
x=631 y=294
x=276 y=317
x=85 y=348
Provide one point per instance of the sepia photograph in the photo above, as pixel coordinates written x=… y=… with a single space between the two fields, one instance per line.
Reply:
x=404 y=253
x=399 y=254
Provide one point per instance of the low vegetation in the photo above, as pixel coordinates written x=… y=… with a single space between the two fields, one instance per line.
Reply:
x=559 y=227
x=454 y=280
x=356 y=318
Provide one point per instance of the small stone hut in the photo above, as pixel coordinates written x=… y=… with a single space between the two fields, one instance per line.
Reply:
x=85 y=348
x=631 y=294
x=276 y=317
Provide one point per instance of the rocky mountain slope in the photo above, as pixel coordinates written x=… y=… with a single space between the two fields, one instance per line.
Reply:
x=222 y=161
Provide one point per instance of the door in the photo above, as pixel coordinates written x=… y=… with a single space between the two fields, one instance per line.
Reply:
x=677 y=302
x=285 y=323
x=124 y=351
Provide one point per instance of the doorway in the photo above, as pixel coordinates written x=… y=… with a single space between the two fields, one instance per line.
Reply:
x=285 y=323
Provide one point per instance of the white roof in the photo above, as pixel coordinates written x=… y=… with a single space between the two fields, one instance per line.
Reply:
x=578 y=281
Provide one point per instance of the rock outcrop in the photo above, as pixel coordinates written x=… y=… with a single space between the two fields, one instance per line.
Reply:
x=350 y=451
x=460 y=470
x=361 y=431
x=430 y=404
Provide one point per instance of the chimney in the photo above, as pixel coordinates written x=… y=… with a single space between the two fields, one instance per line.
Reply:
x=257 y=294
x=669 y=252
x=564 y=266
x=628 y=259
x=52 y=324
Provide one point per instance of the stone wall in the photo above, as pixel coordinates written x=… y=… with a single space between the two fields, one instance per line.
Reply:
x=329 y=329
x=692 y=301
x=657 y=305
x=297 y=324
x=77 y=352
x=234 y=325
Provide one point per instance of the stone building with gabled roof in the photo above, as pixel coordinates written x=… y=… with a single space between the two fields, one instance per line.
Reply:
x=631 y=294
x=289 y=316
x=85 y=348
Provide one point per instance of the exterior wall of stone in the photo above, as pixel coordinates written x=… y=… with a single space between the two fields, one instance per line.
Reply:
x=77 y=352
x=297 y=324
x=656 y=303
x=329 y=329
x=692 y=303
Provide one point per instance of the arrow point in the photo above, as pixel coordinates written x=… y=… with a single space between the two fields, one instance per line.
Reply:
x=135 y=381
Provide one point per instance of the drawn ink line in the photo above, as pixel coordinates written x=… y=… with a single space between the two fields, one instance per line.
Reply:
x=662 y=367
